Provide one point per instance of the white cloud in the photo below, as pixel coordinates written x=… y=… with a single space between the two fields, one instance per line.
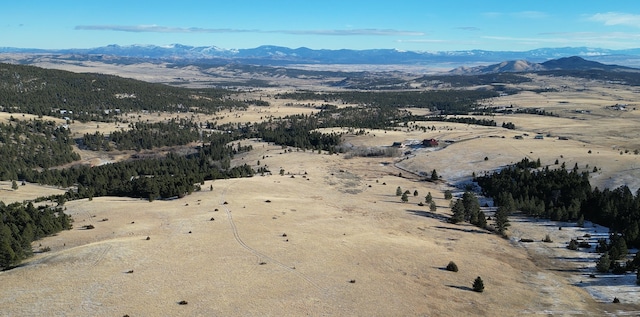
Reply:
x=590 y=39
x=166 y=29
x=617 y=18
x=156 y=29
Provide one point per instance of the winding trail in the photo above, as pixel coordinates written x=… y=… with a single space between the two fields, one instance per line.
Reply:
x=262 y=258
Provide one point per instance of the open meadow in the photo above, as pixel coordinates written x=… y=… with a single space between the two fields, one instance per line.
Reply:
x=329 y=237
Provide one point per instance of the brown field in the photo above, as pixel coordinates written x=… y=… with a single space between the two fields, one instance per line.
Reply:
x=330 y=238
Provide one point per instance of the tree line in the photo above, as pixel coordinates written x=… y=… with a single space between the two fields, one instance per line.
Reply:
x=443 y=101
x=144 y=135
x=23 y=223
x=565 y=195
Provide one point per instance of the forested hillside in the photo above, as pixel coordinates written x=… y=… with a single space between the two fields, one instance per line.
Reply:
x=22 y=223
x=33 y=144
x=566 y=195
x=98 y=97
x=444 y=101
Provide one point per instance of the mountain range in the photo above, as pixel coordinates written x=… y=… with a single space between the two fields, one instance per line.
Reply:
x=276 y=55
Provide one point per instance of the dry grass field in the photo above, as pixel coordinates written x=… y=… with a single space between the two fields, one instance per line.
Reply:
x=330 y=237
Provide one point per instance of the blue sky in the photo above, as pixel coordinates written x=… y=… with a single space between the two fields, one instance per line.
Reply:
x=352 y=24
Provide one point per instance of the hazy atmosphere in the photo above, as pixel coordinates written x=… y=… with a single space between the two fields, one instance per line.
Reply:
x=403 y=25
x=323 y=158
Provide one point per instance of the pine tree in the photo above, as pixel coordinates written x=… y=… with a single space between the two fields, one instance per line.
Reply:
x=14 y=185
x=7 y=255
x=398 y=191
x=482 y=220
x=502 y=220
x=405 y=197
x=433 y=207
x=434 y=175
x=478 y=285
x=428 y=199
x=603 y=263
x=458 y=211
x=448 y=194
x=471 y=207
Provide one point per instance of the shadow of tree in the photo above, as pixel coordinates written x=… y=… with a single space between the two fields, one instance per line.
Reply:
x=464 y=288
x=429 y=214
x=464 y=230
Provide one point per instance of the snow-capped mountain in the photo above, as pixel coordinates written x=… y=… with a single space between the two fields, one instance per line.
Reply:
x=269 y=54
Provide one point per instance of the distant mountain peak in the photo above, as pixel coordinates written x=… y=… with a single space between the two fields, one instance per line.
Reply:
x=515 y=66
x=519 y=66
x=278 y=55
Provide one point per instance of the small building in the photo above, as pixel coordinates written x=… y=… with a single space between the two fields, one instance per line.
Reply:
x=429 y=143
x=539 y=137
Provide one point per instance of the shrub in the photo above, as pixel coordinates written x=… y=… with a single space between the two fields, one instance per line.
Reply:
x=478 y=285
x=573 y=245
x=448 y=195
x=584 y=245
x=618 y=268
x=547 y=239
x=452 y=267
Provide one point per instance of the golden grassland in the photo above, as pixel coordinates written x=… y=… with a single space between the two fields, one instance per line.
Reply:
x=330 y=237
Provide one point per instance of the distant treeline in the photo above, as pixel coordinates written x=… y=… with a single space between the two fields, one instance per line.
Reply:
x=142 y=135
x=476 y=80
x=465 y=120
x=444 y=101
x=626 y=78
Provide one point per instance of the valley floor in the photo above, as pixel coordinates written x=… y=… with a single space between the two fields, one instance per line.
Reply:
x=328 y=238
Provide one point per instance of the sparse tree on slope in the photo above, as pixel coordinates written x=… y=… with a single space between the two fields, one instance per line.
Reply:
x=428 y=199
x=502 y=220
x=478 y=285
x=458 y=211
x=604 y=263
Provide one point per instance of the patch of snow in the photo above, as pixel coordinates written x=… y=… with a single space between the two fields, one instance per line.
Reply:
x=602 y=287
